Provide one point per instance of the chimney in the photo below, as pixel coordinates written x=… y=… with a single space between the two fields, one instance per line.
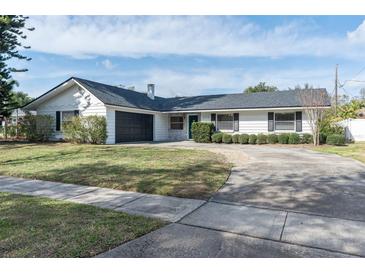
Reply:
x=151 y=91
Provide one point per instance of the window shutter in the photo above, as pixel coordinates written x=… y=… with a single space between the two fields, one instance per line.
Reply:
x=270 y=119
x=298 y=121
x=236 y=123
x=76 y=112
x=58 y=120
x=213 y=119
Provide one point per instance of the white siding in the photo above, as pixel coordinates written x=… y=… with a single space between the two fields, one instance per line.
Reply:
x=255 y=121
x=74 y=98
x=178 y=134
x=161 y=127
x=110 y=120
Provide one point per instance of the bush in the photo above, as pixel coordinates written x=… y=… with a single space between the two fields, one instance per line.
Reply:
x=243 y=139
x=261 y=139
x=283 y=138
x=37 y=127
x=227 y=138
x=307 y=138
x=322 y=138
x=202 y=132
x=252 y=139
x=294 y=138
x=335 y=140
x=272 y=138
x=88 y=129
x=235 y=138
x=217 y=137
x=96 y=128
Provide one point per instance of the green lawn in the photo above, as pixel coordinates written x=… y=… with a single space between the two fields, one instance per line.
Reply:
x=355 y=151
x=174 y=172
x=40 y=227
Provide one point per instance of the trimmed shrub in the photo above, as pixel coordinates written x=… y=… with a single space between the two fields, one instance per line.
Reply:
x=294 y=138
x=217 y=137
x=96 y=128
x=252 y=139
x=335 y=140
x=89 y=129
x=235 y=138
x=261 y=139
x=283 y=138
x=75 y=131
x=322 y=138
x=37 y=127
x=243 y=139
x=307 y=138
x=272 y=138
x=227 y=138
x=202 y=132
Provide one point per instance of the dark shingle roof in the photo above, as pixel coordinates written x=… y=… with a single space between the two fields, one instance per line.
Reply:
x=112 y=95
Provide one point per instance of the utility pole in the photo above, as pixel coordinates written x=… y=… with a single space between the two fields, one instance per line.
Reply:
x=336 y=88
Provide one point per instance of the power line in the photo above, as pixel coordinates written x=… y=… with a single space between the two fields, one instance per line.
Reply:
x=353 y=78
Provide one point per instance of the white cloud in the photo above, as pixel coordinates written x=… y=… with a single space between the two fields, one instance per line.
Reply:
x=108 y=64
x=171 y=83
x=358 y=35
x=85 y=36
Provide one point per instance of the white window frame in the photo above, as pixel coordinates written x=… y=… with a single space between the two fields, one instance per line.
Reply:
x=224 y=130
x=182 y=122
x=61 y=117
x=285 y=130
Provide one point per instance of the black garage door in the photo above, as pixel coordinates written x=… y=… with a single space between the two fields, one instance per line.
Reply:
x=133 y=127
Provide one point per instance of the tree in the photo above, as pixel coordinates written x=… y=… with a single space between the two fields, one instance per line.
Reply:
x=11 y=36
x=314 y=102
x=19 y=99
x=260 y=87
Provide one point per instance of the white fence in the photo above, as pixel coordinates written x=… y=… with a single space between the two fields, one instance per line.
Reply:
x=354 y=129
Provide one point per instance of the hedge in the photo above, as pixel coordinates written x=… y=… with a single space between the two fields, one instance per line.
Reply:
x=88 y=129
x=217 y=137
x=283 y=138
x=252 y=139
x=261 y=139
x=202 y=132
x=272 y=138
x=235 y=138
x=227 y=138
x=37 y=128
x=335 y=140
x=294 y=138
x=307 y=138
x=244 y=138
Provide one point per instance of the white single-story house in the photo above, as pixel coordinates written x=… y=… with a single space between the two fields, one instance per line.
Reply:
x=142 y=116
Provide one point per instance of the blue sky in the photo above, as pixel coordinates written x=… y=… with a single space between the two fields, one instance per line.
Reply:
x=193 y=55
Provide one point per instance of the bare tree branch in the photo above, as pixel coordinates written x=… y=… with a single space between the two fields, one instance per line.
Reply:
x=314 y=102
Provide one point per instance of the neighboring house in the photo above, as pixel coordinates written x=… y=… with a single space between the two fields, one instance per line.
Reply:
x=18 y=114
x=136 y=116
x=354 y=129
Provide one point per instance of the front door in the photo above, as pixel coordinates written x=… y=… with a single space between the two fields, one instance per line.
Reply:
x=192 y=119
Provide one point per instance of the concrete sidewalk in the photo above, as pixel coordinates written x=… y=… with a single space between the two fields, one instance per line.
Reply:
x=210 y=229
x=169 y=209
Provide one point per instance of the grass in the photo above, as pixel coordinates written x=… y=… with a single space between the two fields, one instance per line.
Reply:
x=40 y=227
x=165 y=171
x=355 y=151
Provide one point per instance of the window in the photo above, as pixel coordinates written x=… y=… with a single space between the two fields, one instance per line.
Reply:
x=284 y=121
x=64 y=117
x=225 y=122
x=177 y=122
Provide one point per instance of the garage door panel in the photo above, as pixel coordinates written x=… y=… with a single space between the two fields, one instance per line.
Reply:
x=130 y=127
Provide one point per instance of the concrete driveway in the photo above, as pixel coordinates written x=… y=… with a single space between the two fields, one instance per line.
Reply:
x=278 y=202
x=297 y=179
